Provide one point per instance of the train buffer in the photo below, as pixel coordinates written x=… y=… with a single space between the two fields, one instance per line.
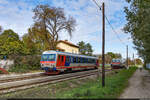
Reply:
x=3 y=71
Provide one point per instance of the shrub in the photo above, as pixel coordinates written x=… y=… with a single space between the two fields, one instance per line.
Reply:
x=25 y=63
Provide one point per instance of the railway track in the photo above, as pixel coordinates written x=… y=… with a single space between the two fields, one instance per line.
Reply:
x=19 y=83
x=20 y=77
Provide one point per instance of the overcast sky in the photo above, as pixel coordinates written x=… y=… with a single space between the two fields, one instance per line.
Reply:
x=17 y=15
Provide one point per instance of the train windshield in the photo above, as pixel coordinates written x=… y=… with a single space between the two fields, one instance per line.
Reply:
x=115 y=60
x=48 y=57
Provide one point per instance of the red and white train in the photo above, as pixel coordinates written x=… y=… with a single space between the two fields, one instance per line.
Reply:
x=56 y=62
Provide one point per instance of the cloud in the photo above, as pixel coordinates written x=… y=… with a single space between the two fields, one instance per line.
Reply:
x=17 y=15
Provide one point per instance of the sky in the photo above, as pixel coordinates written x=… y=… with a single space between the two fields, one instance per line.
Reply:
x=17 y=15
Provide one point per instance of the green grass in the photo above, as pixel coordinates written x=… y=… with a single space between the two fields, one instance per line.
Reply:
x=116 y=81
x=114 y=86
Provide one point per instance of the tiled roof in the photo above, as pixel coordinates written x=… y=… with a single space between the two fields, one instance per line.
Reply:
x=66 y=42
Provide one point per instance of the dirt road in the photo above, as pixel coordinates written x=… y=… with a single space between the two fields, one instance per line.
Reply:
x=139 y=85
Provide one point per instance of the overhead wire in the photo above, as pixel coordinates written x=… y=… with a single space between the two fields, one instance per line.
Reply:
x=110 y=24
x=97 y=4
x=114 y=30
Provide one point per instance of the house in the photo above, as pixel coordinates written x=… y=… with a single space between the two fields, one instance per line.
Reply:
x=65 y=46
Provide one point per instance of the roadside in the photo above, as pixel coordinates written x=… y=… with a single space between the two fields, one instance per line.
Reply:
x=139 y=85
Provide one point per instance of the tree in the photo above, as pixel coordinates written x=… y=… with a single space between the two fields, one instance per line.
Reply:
x=48 y=23
x=118 y=55
x=10 y=43
x=111 y=54
x=85 y=49
x=138 y=25
x=81 y=47
x=29 y=44
x=88 y=49
x=138 y=61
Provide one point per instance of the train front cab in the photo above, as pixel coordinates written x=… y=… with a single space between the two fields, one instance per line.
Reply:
x=48 y=63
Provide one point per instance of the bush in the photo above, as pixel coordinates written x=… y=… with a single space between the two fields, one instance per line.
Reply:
x=25 y=63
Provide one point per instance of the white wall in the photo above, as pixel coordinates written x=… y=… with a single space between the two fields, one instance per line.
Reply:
x=6 y=64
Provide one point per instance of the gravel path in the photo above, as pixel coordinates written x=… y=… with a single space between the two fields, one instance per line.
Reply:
x=139 y=85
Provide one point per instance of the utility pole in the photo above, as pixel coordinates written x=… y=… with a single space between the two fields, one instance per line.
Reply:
x=133 y=59
x=103 y=45
x=127 y=57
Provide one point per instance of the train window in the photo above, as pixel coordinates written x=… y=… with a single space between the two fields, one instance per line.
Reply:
x=79 y=60
x=85 y=60
x=51 y=57
x=59 y=57
x=82 y=60
x=93 y=60
x=74 y=59
x=44 y=57
x=62 y=58
x=88 y=60
x=67 y=58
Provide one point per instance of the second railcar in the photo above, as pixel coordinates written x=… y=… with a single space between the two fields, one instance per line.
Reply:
x=117 y=63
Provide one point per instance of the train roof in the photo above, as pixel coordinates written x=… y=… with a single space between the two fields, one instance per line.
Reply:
x=66 y=53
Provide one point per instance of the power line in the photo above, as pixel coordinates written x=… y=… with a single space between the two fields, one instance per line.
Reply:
x=110 y=24
x=97 y=4
x=114 y=30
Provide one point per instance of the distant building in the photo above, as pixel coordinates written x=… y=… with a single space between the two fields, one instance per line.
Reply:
x=66 y=46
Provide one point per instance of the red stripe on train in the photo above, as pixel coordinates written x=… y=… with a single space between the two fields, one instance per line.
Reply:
x=73 y=67
x=116 y=63
x=47 y=62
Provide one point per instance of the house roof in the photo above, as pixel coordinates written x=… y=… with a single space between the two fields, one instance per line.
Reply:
x=66 y=42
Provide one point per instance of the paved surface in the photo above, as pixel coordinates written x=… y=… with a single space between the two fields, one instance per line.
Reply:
x=139 y=85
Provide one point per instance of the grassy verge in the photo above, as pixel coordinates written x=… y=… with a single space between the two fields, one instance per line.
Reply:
x=79 y=88
x=114 y=86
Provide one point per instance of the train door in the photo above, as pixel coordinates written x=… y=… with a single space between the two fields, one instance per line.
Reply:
x=61 y=60
x=58 y=60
